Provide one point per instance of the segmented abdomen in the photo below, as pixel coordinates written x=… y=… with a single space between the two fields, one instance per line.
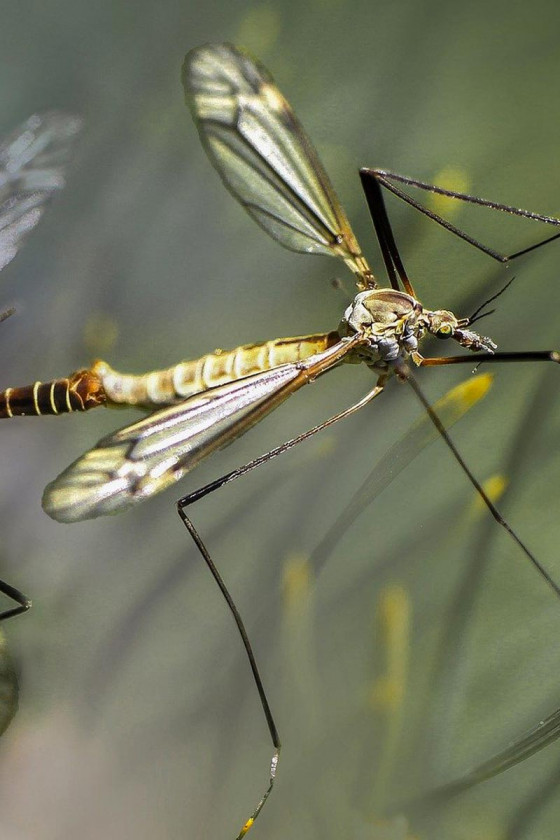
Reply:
x=79 y=392
x=175 y=384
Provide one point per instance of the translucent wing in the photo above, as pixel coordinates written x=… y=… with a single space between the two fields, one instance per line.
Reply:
x=264 y=156
x=145 y=458
x=33 y=160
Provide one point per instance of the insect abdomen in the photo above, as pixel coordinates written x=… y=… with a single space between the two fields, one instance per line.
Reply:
x=79 y=392
x=175 y=384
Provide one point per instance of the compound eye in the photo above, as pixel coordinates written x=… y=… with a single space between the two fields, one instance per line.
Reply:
x=445 y=331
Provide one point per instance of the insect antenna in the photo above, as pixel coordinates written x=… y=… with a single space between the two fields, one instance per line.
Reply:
x=405 y=374
x=477 y=316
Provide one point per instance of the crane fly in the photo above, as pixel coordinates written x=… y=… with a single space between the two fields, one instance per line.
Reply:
x=33 y=162
x=269 y=165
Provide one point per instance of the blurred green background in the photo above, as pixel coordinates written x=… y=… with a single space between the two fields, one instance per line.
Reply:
x=138 y=718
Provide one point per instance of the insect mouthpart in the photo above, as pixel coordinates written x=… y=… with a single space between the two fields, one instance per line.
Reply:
x=473 y=341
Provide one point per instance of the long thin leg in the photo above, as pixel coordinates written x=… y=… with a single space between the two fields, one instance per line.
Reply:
x=545 y=732
x=279 y=450
x=22 y=600
x=382 y=176
x=405 y=374
x=520 y=356
x=252 y=661
x=389 y=250
x=478 y=313
x=215 y=485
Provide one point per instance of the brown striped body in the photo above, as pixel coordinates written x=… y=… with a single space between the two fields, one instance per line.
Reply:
x=79 y=392
x=175 y=384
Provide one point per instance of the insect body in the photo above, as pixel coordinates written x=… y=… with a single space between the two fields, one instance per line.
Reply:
x=78 y=392
x=394 y=322
x=381 y=327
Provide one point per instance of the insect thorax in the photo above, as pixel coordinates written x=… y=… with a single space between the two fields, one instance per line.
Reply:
x=393 y=323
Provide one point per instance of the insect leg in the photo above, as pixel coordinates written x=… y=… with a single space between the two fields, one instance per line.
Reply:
x=384 y=178
x=518 y=356
x=24 y=603
x=183 y=503
x=405 y=374
x=450 y=408
x=384 y=232
x=547 y=730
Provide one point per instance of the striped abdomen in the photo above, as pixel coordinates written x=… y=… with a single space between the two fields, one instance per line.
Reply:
x=175 y=384
x=78 y=392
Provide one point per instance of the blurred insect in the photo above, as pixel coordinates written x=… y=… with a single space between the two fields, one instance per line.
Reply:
x=269 y=165
x=33 y=161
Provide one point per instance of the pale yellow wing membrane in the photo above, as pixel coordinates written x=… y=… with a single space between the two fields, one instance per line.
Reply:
x=140 y=460
x=264 y=156
x=175 y=384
